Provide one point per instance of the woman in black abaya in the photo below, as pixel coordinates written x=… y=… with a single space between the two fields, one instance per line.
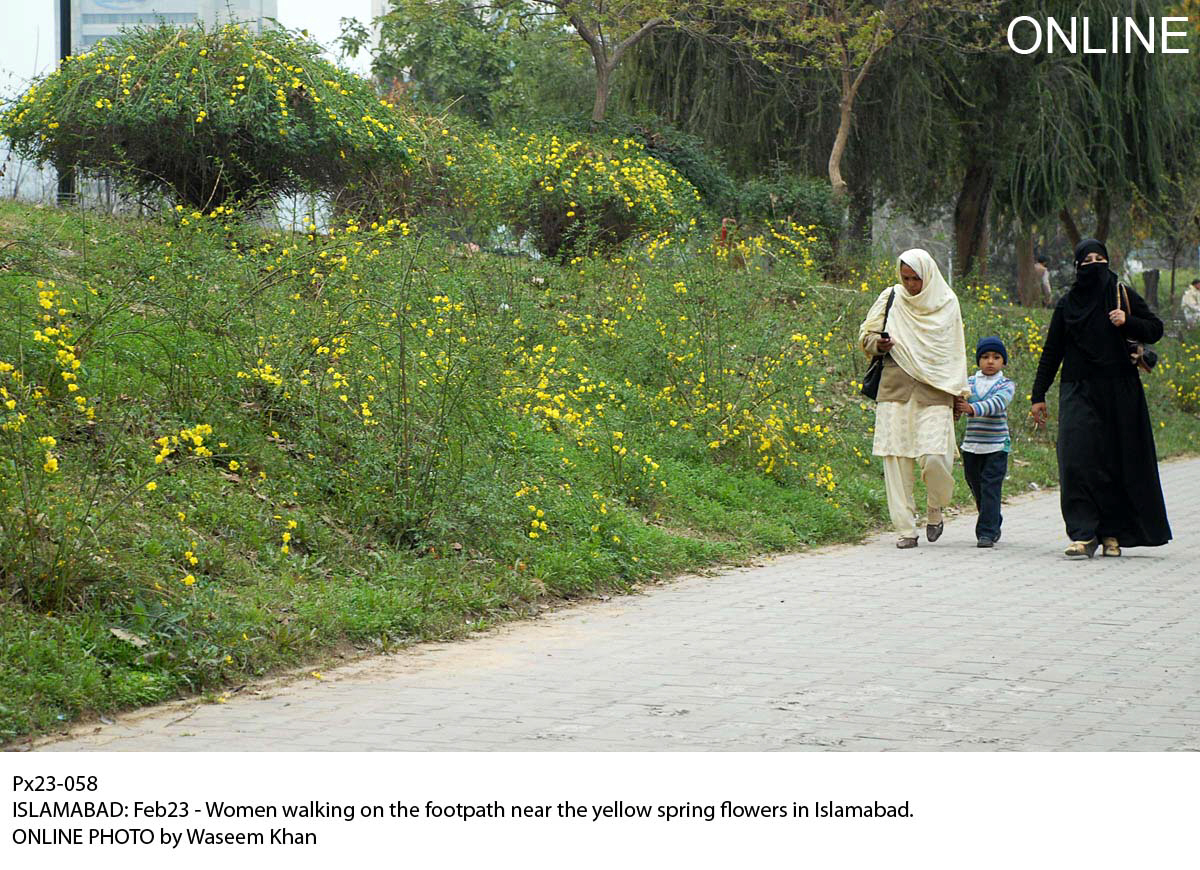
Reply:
x=1107 y=465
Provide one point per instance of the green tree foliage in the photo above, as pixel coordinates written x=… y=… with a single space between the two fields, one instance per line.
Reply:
x=448 y=52
x=493 y=63
x=207 y=116
x=1090 y=127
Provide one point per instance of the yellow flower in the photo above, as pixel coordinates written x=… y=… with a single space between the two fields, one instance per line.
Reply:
x=189 y=580
x=151 y=486
x=234 y=465
x=51 y=464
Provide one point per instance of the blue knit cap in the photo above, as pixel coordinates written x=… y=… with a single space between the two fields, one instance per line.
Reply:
x=991 y=343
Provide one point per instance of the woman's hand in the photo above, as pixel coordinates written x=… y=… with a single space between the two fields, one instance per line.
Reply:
x=1117 y=317
x=884 y=345
x=1040 y=414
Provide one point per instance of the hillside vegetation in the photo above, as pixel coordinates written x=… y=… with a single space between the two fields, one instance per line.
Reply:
x=225 y=450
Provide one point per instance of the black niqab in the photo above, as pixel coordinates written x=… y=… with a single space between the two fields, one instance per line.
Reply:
x=1086 y=305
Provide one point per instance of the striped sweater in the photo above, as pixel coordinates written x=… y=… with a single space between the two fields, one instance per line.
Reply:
x=987 y=429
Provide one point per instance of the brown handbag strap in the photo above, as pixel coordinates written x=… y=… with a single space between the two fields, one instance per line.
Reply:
x=1123 y=298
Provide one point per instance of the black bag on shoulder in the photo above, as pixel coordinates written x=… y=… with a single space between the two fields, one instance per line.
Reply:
x=1142 y=357
x=870 y=383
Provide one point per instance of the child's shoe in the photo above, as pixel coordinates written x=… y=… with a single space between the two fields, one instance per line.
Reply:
x=984 y=543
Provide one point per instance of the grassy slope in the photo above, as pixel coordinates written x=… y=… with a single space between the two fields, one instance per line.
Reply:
x=508 y=395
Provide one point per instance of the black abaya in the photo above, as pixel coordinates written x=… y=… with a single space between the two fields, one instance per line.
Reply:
x=1107 y=468
x=1107 y=463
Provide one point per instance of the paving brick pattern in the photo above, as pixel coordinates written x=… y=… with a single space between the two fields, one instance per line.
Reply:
x=846 y=648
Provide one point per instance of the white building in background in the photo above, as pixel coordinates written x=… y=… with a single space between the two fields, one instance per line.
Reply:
x=93 y=20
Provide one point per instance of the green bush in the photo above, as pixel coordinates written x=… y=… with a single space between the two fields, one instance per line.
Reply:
x=784 y=196
x=208 y=116
x=419 y=184
x=573 y=195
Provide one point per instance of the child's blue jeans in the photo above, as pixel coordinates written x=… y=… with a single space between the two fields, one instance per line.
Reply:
x=985 y=476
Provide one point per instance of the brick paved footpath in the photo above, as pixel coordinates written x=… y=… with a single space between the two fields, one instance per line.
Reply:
x=849 y=647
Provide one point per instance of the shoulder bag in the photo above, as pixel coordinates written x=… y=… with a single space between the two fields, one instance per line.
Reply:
x=870 y=383
x=1144 y=358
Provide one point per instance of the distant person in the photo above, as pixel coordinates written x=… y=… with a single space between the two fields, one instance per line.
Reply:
x=1042 y=272
x=924 y=369
x=724 y=247
x=1107 y=465
x=986 y=442
x=1191 y=304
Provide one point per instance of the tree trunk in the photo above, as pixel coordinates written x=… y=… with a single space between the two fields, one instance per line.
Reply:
x=846 y=117
x=1174 y=262
x=971 y=219
x=1029 y=288
x=1068 y=223
x=845 y=120
x=1150 y=285
x=600 y=107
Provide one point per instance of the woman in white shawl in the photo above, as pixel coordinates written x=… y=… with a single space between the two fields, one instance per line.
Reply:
x=925 y=367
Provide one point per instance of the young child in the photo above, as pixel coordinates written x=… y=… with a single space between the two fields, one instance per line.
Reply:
x=986 y=443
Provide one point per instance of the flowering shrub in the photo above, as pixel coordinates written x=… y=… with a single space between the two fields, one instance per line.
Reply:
x=1183 y=376
x=777 y=242
x=873 y=276
x=208 y=115
x=362 y=433
x=48 y=527
x=419 y=183
x=574 y=195
x=983 y=293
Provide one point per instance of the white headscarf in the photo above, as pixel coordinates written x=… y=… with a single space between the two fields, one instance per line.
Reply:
x=927 y=328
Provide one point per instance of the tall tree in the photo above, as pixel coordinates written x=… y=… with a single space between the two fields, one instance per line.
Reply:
x=849 y=38
x=610 y=28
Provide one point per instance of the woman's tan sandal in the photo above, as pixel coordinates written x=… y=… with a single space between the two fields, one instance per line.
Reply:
x=1111 y=546
x=1083 y=548
x=906 y=543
